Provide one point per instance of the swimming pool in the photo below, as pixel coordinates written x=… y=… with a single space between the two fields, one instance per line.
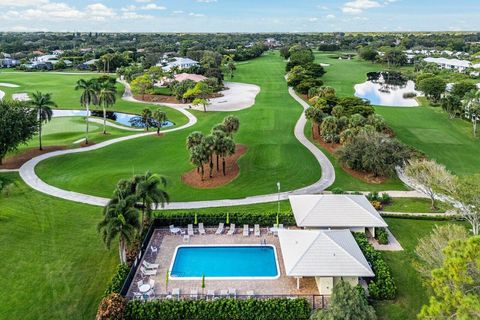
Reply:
x=224 y=262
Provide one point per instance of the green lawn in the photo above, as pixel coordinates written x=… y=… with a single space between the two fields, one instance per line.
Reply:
x=62 y=88
x=273 y=152
x=53 y=262
x=411 y=293
x=416 y=205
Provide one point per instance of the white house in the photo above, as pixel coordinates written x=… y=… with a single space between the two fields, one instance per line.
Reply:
x=329 y=211
x=180 y=63
x=327 y=255
x=452 y=64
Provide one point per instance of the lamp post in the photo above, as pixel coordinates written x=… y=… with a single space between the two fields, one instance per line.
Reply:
x=278 y=202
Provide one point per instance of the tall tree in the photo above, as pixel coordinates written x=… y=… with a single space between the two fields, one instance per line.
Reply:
x=232 y=124
x=428 y=176
x=88 y=98
x=198 y=157
x=107 y=96
x=160 y=117
x=18 y=124
x=149 y=190
x=225 y=147
x=120 y=219
x=146 y=117
x=456 y=284
x=199 y=92
x=429 y=250
x=209 y=143
x=194 y=139
x=472 y=108
x=42 y=104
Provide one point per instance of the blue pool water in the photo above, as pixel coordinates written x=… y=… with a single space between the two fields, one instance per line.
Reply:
x=225 y=261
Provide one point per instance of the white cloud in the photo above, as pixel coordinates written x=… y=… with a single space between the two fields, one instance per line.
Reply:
x=330 y=16
x=178 y=11
x=206 y=1
x=99 y=11
x=129 y=8
x=358 y=6
x=21 y=3
x=143 y=1
x=153 y=6
x=313 y=19
x=134 y=16
x=192 y=14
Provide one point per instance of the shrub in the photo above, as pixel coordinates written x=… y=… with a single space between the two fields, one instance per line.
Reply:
x=409 y=95
x=377 y=204
x=214 y=218
x=112 y=307
x=221 y=309
x=338 y=190
x=383 y=199
x=383 y=286
x=118 y=279
x=381 y=235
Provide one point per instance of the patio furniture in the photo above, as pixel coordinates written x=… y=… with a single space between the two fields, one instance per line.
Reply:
x=220 y=228
x=257 y=230
x=186 y=238
x=174 y=230
x=150 y=266
x=211 y=294
x=176 y=293
x=151 y=282
x=144 y=288
x=223 y=293
x=201 y=229
x=147 y=273
x=250 y=294
x=137 y=295
x=232 y=292
x=139 y=283
x=153 y=249
x=246 y=231
x=231 y=231
x=194 y=294
x=190 y=230
x=280 y=226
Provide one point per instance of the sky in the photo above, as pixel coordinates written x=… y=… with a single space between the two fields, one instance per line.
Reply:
x=239 y=15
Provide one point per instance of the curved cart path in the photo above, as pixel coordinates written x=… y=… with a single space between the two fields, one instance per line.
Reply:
x=27 y=171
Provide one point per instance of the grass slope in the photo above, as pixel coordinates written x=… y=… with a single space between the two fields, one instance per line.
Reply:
x=54 y=264
x=266 y=128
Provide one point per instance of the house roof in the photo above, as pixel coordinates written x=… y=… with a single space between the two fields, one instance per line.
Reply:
x=322 y=253
x=328 y=210
x=450 y=62
x=189 y=76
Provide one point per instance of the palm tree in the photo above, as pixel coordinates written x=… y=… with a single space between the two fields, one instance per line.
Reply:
x=225 y=147
x=120 y=219
x=160 y=117
x=218 y=135
x=149 y=191
x=88 y=97
x=472 y=108
x=209 y=143
x=194 y=139
x=232 y=124
x=43 y=104
x=146 y=116
x=198 y=156
x=107 y=96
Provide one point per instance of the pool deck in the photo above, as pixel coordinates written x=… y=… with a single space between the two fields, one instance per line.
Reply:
x=167 y=243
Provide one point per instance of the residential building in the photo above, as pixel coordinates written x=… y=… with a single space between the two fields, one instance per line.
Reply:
x=451 y=64
x=177 y=62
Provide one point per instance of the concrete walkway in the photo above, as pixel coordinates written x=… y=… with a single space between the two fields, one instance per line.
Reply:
x=393 y=244
x=8 y=170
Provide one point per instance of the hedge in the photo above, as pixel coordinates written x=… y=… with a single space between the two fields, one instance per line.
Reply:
x=116 y=284
x=165 y=218
x=422 y=217
x=221 y=309
x=383 y=286
x=382 y=235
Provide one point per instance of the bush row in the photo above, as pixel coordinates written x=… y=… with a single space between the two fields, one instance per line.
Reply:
x=381 y=235
x=118 y=279
x=221 y=309
x=413 y=217
x=214 y=218
x=383 y=286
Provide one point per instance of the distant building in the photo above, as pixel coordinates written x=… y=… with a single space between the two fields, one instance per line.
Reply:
x=88 y=65
x=452 y=64
x=179 y=63
x=8 y=63
x=182 y=77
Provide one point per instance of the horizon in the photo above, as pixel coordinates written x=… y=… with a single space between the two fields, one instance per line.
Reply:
x=227 y=16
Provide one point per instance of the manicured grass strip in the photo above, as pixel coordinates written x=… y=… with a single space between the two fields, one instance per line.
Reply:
x=416 y=205
x=273 y=154
x=53 y=262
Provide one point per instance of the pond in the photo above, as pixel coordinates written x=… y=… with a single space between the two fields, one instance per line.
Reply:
x=388 y=89
x=125 y=119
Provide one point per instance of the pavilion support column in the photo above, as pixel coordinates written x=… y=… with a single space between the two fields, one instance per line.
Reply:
x=298 y=282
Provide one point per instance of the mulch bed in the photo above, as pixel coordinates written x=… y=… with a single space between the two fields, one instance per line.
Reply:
x=90 y=143
x=331 y=147
x=194 y=179
x=157 y=98
x=16 y=161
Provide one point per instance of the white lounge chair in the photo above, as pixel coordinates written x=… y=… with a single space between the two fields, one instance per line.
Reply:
x=186 y=238
x=137 y=295
x=232 y=292
x=201 y=229
x=223 y=293
x=194 y=294
x=174 y=230
x=151 y=282
x=220 y=228
x=153 y=249
x=231 y=231
x=150 y=266
x=190 y=230
x=139 y=283
x=280 y=226
x=250 y=294
x=211 y=295
x=257 y=230
x=147 y=273
x=176 y=293
x=246 y=230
